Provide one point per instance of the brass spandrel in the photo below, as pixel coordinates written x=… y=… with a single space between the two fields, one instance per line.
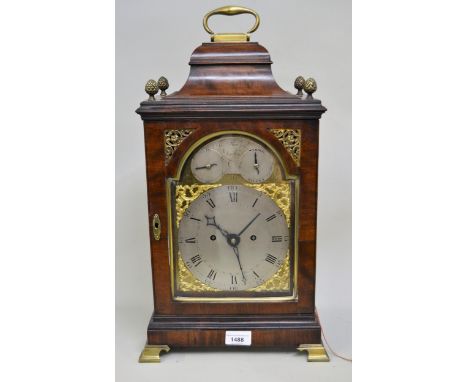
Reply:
x=279 y=192
x=291 y=140
x=185 y=194
x=172 y=139
x=279 y=282
x=186 y=282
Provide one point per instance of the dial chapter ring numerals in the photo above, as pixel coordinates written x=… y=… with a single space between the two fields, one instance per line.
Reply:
x=228 y=240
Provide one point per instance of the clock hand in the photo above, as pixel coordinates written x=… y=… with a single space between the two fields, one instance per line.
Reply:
x=208 y=166
x=236 y=251
x=248 y=225
x=212 y=221
x=256 y=163
x=233 y=239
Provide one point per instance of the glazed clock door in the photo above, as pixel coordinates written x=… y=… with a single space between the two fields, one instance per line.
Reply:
x=233 y=228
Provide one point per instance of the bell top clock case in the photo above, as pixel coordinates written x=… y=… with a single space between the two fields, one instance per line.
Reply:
x=231 y=169
x=233 y=222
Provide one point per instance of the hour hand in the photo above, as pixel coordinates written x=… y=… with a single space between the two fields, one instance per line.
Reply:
x=212 y=221
x=207 y=166
x=256 y=163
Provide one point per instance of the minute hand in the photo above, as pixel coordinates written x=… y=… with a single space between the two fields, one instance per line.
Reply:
x=248 y=225
x=236 y=251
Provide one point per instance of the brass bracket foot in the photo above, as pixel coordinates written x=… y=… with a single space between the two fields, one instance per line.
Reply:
x=315 y=352
x=151 y=353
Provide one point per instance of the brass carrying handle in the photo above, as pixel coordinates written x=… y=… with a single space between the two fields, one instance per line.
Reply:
x=231 y=10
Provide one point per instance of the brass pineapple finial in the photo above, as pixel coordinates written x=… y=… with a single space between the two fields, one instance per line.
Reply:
x=151 y=88
x=163 y=84
x=299 y=85
x=310 y=86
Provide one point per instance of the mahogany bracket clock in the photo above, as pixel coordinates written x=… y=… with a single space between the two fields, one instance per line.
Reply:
x=231 y=161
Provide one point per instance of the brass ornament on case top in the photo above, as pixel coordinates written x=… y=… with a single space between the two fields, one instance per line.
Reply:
x=310 y=86
x=163 y=84
x=299 y=85
x=151 y=88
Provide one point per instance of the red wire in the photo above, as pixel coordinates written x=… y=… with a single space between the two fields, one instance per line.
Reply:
x=325 y=339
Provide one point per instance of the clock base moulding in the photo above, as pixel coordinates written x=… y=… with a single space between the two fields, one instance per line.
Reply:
x=282 y=331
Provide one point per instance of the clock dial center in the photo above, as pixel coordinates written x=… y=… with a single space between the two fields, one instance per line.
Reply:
x=233 y=240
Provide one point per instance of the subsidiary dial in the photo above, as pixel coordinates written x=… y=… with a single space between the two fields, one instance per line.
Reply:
x=256 y=165
x=207 y=166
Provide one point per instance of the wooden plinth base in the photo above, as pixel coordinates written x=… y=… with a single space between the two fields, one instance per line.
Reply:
x=268 y=332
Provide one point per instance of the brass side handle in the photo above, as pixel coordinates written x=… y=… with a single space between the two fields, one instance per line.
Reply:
x=156 y=227
x=231 y=10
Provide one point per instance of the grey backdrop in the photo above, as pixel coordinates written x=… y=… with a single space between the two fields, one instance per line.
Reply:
x=309 y=38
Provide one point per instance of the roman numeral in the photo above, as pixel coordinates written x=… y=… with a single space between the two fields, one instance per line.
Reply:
x=277 y=239
x=212 y=275
x=255 y=274
x=270 y=218
x=198 y=220
x=196 y=260
x=191 y=240
x=233 y=196
x=233 y=279
x=270 y=259
x=255 y=202
x=211 y=203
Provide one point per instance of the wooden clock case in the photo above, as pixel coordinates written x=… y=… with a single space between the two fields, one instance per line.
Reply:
x=231 y=87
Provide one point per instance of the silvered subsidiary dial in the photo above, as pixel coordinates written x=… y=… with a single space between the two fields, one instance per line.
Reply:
x=233 y=238
x=256 y=165
x=207 y=165
x=232 y=155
